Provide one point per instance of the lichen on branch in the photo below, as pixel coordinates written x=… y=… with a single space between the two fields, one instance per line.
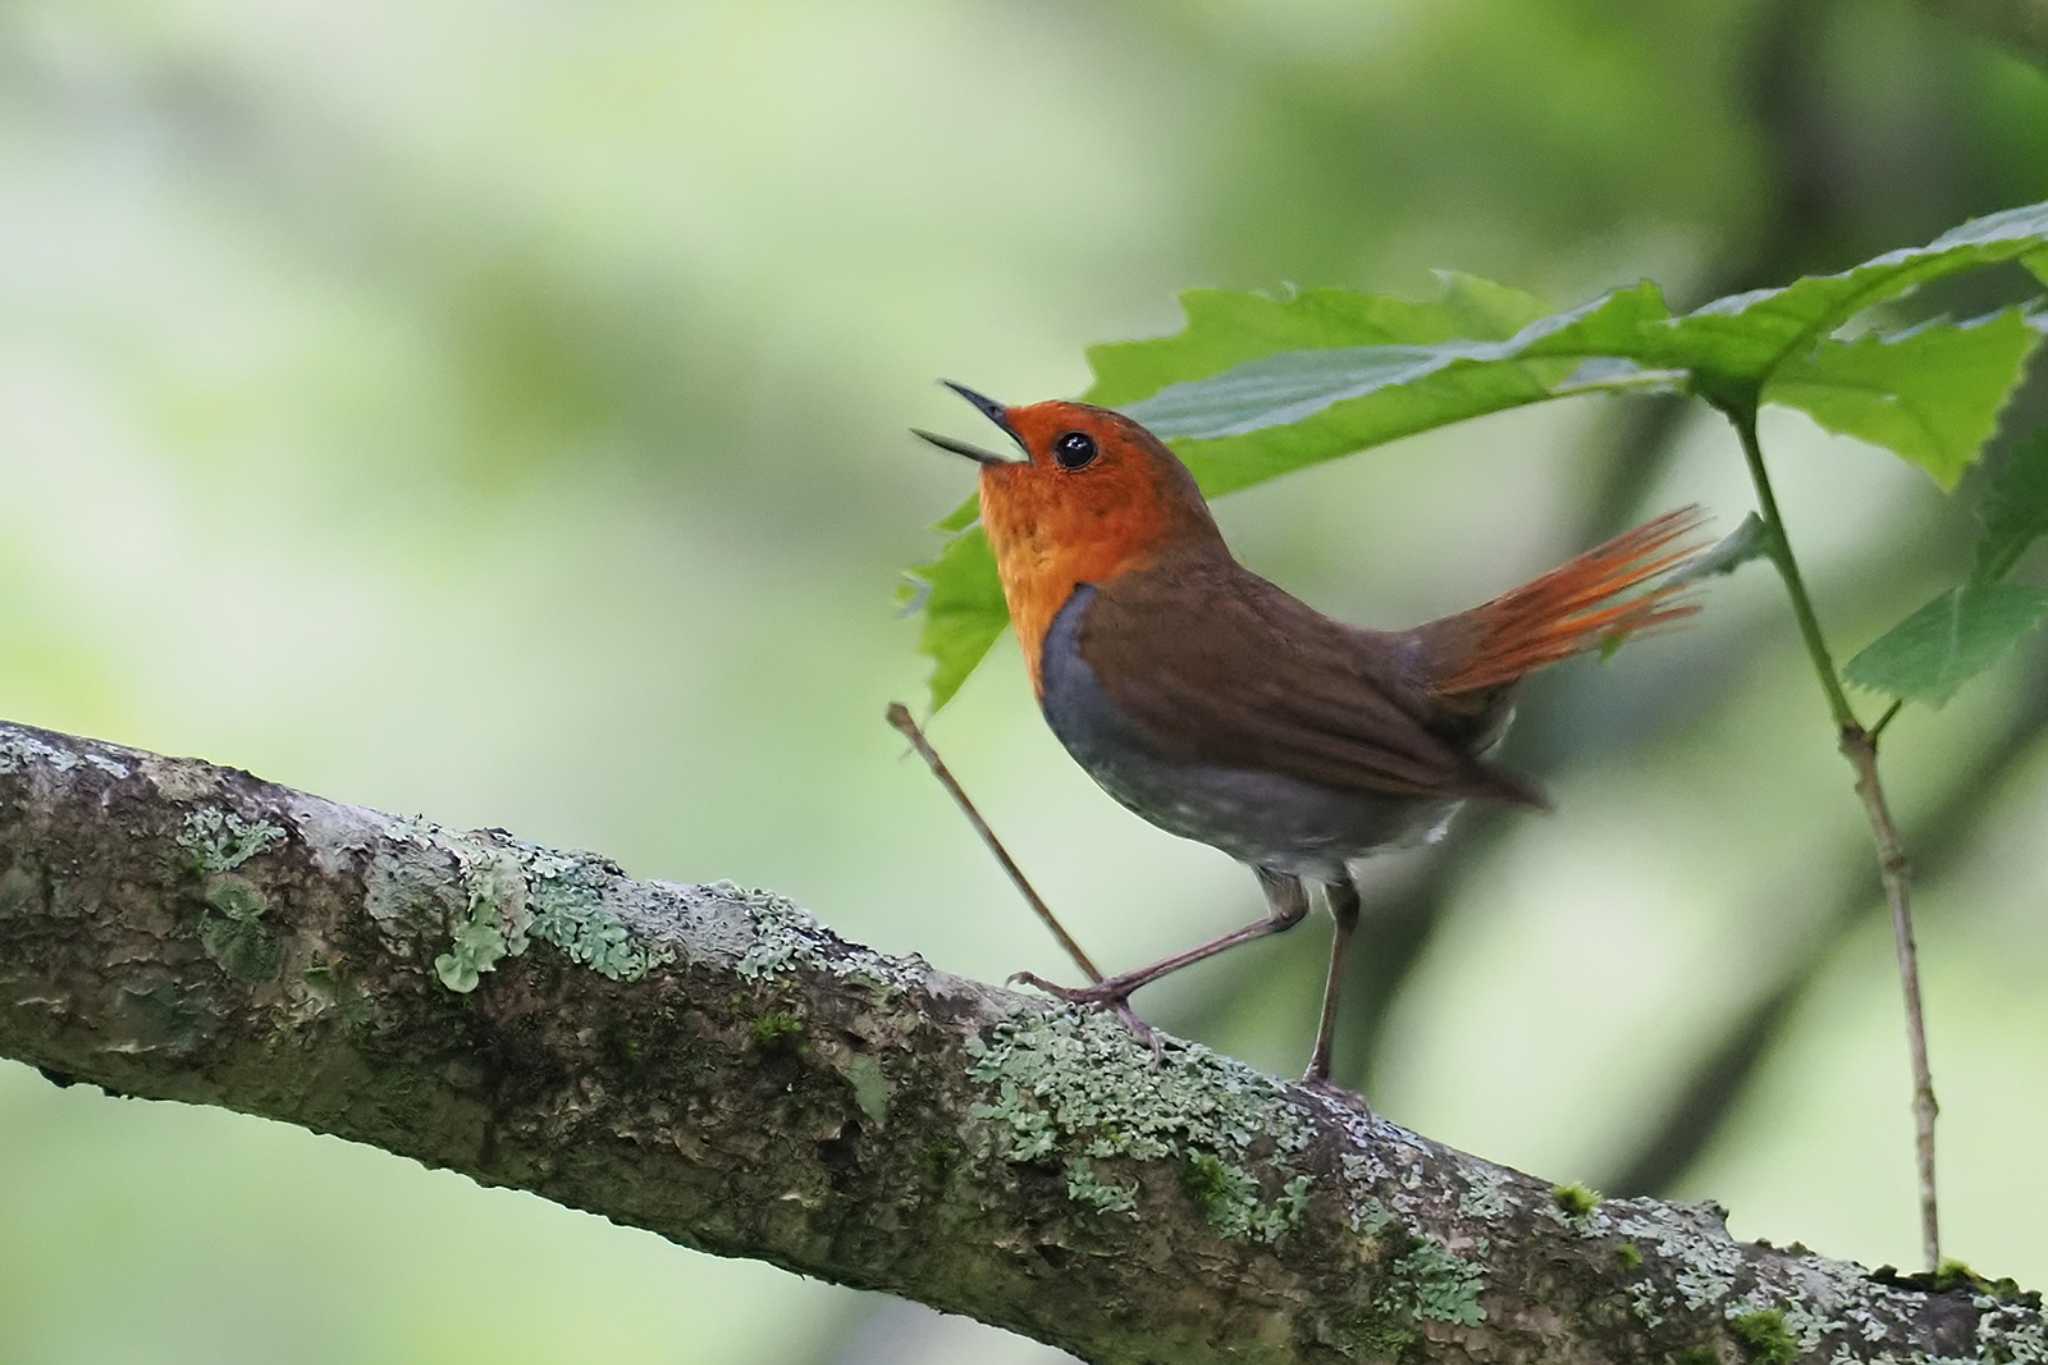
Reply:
x=714 y=1064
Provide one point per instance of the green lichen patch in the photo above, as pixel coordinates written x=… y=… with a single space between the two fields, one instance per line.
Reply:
x=789 y=938
x=1227 y=1195
x=1368 y=1214
x=1630 y=1256
x=476 y=950
x=870 y=1088
x=501 y=896
x=1067 y=1083
x=1436 y=1283
x=569 y=911
x=20 y=750
x=1428 y=1283
x=2009 y=1332
x=492 y=925
x=1086 y=1188
x=231 y=929
x=1486 y=1196
x=1709 y=1259
x=1764 y=1336
x=219 y=840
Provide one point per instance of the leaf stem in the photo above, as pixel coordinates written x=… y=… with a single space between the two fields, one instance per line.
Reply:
x=1859 y=746
x=1780 y=551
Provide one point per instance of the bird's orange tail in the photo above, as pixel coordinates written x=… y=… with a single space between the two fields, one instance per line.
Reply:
x=1570 y=609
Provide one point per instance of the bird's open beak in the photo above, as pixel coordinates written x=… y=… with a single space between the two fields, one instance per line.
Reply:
x=988 y=408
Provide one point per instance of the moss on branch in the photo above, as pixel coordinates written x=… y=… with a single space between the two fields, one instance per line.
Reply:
x=714 y=1064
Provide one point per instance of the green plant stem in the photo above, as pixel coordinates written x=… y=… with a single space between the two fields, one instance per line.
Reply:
x=1788 y=569
x=1859 y=746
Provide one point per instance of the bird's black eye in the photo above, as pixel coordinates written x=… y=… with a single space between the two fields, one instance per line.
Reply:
x=1074 y=449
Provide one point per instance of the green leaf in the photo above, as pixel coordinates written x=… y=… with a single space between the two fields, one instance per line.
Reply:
x=1931 y=394
x=964 y=611
x=1745 y=338
x=1225 y=330
x=1289 y=408
x=1254 y=387
x=1958 y=635
x=1282 y=412
x=2015 y=510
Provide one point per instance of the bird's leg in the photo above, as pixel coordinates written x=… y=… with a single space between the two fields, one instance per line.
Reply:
x=1343 y=901
x=1286 y=906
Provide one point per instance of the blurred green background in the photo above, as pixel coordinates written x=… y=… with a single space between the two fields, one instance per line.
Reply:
x=497 y=410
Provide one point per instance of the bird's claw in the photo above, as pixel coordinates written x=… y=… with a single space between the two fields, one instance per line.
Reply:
x=1102 y=995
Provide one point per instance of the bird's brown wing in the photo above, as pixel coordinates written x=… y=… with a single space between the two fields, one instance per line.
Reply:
x=1217 y=665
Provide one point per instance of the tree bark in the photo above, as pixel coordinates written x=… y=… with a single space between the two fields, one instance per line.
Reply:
x=710 y=1063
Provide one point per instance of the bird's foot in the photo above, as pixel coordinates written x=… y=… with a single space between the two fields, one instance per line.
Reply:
x=1111 y=995
x=1321 y=1084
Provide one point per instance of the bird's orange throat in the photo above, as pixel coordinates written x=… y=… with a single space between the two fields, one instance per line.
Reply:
x=1048 y=541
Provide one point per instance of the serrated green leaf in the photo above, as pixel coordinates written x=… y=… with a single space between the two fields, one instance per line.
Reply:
x=2015 y=510
x=1958 y=635
x=964 y=611
x=1254 y=387
x=1931 y=394
x=1745 y=338
x=1227 y=329
x=1283 y=412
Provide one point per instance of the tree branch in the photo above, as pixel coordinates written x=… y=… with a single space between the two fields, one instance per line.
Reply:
x=711 y=1064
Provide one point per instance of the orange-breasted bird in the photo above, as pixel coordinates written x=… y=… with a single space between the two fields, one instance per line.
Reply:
x=1223 y=709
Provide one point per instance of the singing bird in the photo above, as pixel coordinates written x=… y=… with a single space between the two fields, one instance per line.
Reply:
x=1221 y=708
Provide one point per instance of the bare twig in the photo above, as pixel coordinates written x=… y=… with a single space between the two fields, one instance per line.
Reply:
x=1859 y=746
x=900 y=717
x=1861 y=751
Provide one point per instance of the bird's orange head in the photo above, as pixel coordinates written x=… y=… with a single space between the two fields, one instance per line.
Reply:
x=1095 y=496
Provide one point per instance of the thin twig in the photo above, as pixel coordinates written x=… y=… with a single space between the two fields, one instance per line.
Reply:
x=1861 y=751
x=1859 y=746
x=900 y=717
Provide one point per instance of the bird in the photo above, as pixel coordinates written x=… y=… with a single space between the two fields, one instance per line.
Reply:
x=1223 y=709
